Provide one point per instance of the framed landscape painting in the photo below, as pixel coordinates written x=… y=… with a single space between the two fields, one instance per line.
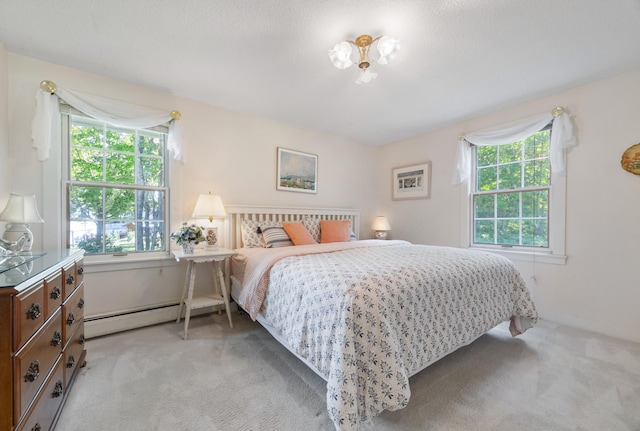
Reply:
x=297 y=171
x=412 y=182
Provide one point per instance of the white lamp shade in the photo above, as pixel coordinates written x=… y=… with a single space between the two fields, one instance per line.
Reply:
x=381 y=223
x=21 y=209
x=340 y=55
x=388 y=49
x=209 y=206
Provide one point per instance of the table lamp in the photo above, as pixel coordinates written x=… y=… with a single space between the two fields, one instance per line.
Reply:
x=209 y=206
x=381 y=226
x=19 y=212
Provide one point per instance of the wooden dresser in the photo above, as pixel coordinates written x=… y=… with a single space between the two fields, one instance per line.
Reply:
x=41 y=336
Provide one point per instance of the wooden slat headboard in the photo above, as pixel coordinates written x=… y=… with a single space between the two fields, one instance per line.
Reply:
x=235 y=214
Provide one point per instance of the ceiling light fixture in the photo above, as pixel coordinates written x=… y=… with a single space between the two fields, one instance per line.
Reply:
x=340 y=55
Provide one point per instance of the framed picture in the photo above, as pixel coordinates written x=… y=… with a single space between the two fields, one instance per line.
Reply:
x=297 y=172
x=412 y=182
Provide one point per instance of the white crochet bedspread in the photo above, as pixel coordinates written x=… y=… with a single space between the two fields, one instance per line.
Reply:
x=370 y=317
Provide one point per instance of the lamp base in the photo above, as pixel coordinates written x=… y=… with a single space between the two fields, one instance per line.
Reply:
x=13 y=232
x=380 y=234
x=211 y=234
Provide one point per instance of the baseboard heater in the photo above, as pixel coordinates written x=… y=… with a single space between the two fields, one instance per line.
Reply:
x=99 y=325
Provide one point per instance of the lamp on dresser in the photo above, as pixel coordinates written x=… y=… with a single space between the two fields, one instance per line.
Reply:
x=19 y=212
x=209 y=207
x=381 y=226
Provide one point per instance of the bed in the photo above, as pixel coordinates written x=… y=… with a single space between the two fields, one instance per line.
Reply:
x=365 y=315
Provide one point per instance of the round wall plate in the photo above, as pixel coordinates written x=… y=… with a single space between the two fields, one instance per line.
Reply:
x=631 y=159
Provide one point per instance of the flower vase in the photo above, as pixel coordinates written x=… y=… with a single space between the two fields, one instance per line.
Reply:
x=188 y=247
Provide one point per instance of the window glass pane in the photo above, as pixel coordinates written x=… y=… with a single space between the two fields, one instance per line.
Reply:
x=91 y=243
x=510 y=176
x=87 y=133
x=116 y=236
x=508 y=231
x=535 y=233
x=120 y=140
x=119 y=204
x=487 y=155
x=150 y=205
x=536 y=173
x=537 y=145
x=151 y=144
x=484 y=231
x=484 y=206
x=150 y=210
x=151 y=171
x=150 y=236
x=120 y=168
x=510 y=152
x=85 y=203
x=535 y=203
x=508 y=205
x=86 y=165
x=487 y=178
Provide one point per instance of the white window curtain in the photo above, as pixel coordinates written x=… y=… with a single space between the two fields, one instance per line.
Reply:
x=562 y=139
x=45 y=128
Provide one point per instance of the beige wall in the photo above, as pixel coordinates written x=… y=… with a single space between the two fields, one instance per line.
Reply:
x=234 y=155
x=230 y=154
x=598 y=288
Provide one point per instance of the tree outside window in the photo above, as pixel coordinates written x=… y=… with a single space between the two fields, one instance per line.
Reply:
x=117 y=188
x=510 y=199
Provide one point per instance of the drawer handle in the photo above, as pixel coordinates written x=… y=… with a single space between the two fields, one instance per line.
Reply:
x=81 y=339
x=57 y=391
x=81 y=270
x=56 y=340
x=81 y=303
x=70 y=279
x=55 y=293
x=36 y=427
x=33 y=372
x=70 y=319
x=71 y=361
x=34 y=311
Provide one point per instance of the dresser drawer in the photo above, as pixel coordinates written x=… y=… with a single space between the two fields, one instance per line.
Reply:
x=34 y=361
x=73 y=353
x=53 y=293
x=72 y=313
x=44 y=410
x=29 y=306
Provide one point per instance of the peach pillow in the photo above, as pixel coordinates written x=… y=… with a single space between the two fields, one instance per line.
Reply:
x=298 y=233
x=334 y=231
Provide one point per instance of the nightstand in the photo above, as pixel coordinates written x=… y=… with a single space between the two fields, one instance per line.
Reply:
x=221 y=296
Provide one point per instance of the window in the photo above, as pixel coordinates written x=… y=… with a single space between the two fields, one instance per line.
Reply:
x=511 y=193
x=116 y=192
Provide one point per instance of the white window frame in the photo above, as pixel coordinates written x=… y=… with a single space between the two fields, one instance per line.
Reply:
x=132 y=260
x=555 y=253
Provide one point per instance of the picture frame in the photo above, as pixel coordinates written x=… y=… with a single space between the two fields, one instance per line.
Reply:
x=297 y=171
x=411 y=182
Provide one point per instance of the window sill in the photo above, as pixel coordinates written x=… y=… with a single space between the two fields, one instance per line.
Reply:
x=526 y=256
x=106 y=263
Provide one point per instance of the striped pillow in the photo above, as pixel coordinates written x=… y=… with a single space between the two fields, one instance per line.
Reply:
x=275 y=236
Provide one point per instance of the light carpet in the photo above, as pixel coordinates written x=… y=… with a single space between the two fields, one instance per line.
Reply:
x=553 y=377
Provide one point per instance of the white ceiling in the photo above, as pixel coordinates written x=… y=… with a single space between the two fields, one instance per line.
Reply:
x=459 y=58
